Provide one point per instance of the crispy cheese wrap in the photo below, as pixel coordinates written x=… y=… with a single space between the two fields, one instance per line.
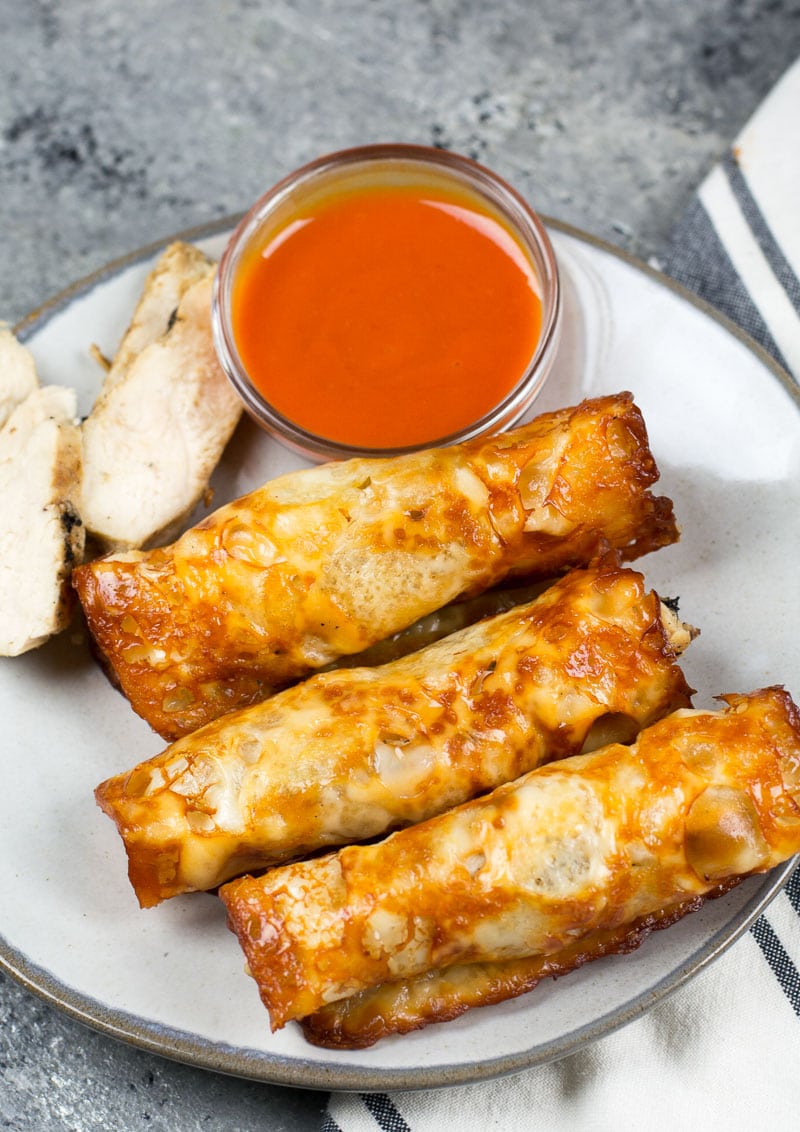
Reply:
x=576 y=847
x=321 y=563
x=447 y=992
x=351 y=754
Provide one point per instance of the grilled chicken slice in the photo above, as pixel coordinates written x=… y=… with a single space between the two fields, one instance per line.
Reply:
x=41 y=535
x=17 y=374
x=165 y=412
x=178 y=267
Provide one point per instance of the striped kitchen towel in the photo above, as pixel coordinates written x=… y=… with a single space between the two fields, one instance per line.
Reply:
x=723 y=1052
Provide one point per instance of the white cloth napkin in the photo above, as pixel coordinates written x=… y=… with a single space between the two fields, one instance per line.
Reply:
x=723 y=1052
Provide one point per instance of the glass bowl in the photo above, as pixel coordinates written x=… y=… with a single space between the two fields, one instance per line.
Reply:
x=363 y=169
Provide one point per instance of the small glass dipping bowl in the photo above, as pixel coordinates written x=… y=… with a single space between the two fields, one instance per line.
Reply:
x=361 y=170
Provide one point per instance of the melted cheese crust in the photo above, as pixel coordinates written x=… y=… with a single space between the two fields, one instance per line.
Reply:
x=579 y=846
x=351 y=754
x=321 y=563
x=446 y=993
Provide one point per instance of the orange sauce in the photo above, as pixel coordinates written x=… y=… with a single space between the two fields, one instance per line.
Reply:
x=386 y=317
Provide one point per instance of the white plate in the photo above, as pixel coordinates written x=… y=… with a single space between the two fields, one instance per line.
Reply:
x=725 y=427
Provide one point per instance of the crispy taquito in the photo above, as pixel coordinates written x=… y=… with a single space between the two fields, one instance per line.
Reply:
x=572 y=849
x=353 y=753
x=323 y=562
x=447 y=992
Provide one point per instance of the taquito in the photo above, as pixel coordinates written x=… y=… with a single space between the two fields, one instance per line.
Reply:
x=323 y=562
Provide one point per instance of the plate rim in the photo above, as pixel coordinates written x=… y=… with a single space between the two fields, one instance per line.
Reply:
x=182 y=1046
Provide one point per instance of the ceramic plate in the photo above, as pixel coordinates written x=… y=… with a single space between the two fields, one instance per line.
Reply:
x=725 y=427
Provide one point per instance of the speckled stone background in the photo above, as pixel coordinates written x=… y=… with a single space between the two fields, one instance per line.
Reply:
x=121 y=123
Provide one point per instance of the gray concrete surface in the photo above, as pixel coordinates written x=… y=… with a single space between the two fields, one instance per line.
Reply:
x=121 y=123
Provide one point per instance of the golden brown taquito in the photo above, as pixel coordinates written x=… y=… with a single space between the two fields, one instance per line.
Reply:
x=321 y=563
x=350 y=754
x=574 y=848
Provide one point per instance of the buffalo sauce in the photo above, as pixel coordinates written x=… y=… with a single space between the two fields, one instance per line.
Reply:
x=386 y=317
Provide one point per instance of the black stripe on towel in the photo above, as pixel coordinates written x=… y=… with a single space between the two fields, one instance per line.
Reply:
x=793 y=890
x=329 y=1124
x=386 y=1115
x=761 y=230
x=698 y=260
x=776 y=955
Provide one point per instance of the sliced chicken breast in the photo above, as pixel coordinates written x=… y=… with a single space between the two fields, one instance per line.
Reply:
x=41 y=535
x=164 y=415
x=17 y=374
x=178 y=267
